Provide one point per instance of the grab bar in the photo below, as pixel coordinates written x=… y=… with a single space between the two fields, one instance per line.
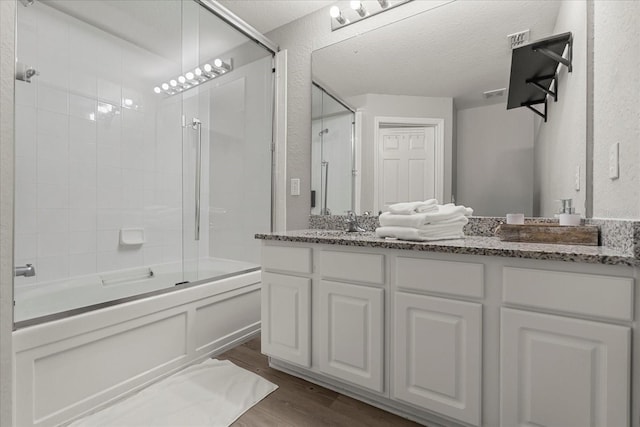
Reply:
x=127 y=276
x=197 y=124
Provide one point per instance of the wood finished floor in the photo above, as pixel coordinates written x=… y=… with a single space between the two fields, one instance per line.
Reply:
x=299 y=403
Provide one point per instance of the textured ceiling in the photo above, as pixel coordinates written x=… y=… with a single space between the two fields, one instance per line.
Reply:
x=458 y=50
x=266 y=15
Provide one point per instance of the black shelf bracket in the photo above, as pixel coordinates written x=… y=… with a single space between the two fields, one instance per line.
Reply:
x=543 y=113
x=535 y=81
x=534 y=72
x=542 y=47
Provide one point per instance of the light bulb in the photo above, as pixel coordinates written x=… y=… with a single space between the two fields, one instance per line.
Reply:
x=157 y=89
x=182 y=80
x=198 y=71
x=128 y=102
x=207 y=68
x=358 y=7
x=165 y=86
x=173 y=83
x=189 y=76
x=218 y=62
x=334 y=12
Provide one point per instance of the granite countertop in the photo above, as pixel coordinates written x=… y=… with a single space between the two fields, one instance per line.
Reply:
x=470 y=245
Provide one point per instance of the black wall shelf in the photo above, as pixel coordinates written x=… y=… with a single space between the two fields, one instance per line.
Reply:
x=534 y=74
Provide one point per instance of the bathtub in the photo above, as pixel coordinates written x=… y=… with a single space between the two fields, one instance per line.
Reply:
x=134 y=328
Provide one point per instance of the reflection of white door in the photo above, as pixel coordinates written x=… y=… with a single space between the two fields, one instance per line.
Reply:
x=406 y=165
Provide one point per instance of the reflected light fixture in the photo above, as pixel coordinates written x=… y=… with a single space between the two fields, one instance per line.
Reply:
x=359 y=8
x=337 y=15
x=200 y=74
x=357 y=11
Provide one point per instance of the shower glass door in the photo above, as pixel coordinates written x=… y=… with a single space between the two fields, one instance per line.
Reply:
x=227 y=107
x=129 y=134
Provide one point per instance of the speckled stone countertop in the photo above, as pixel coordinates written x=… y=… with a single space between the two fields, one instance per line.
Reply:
x=470 y=245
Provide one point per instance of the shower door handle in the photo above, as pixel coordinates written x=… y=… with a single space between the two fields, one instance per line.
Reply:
x=197 y=125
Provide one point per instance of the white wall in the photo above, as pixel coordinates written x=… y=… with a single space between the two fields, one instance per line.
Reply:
x=561 y=144
x=616 y=100
x=7 y=64
x=495 y=139
x=376 y=105
x=88 y=162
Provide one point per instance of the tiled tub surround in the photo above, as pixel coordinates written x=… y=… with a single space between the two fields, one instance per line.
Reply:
x=619 y=239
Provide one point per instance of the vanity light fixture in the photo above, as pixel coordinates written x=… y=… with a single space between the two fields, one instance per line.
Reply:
x=359 y=8
x=341 y=17
x=200 y=74
x=337 y=15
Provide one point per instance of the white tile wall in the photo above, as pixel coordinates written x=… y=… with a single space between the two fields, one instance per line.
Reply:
x=95 y=152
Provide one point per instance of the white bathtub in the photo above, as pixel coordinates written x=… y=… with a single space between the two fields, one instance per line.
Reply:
x=71 y=366
x=45 y=299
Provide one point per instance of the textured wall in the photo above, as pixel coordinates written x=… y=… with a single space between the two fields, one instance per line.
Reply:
x=300 y=38
x=616 y=112
x=560 y=145
x=7 y=55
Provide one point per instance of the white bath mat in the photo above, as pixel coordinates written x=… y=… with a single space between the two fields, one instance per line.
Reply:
x=213 y=393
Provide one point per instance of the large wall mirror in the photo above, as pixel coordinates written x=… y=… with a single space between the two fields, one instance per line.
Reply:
x=430 y=95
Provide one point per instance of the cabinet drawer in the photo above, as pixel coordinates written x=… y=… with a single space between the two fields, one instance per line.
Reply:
x=445 y=277
x=297 y=260
x=351 y=266
x=576 y=293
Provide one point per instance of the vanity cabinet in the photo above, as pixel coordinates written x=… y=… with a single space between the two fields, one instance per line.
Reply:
x=351 y=324
x=553 y=367
x=456 y=340
x=438 y=355
x=559 y=371
x=286 y=317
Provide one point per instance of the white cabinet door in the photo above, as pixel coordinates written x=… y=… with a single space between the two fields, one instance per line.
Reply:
x=562 y=372
x=286 y=318
x=438 y=355
x=350 y=323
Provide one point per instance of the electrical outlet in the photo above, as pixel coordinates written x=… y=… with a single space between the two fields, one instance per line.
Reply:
x=295 y=186
x=614 y=161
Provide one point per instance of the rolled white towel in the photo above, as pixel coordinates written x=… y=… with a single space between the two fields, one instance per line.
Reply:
x=408 y=208
x=414 y=234
x=445 y=213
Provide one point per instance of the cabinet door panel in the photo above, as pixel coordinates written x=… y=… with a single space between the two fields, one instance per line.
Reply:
x=286 y=323
x=438 y=355
x=351 y=331
x=558 y=371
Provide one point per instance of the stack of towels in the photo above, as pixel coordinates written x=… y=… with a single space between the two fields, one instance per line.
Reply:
x=424 y=221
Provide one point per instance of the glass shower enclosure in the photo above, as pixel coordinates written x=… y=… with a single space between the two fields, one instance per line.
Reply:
x=143 y=151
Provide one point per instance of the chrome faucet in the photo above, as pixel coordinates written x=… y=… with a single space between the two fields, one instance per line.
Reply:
x=25 y=270
x=352 y=223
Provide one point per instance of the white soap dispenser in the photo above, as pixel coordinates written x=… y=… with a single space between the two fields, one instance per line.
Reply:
x=567 y=214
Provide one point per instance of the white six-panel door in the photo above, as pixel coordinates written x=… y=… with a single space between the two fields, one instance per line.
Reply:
x=438 y=355
x=407 y=169
x=562 y=372
x=351 y=333
x=286 y=318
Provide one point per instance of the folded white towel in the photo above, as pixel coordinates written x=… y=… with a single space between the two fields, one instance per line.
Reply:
x=444 y=213
x=408 y=208
x=414 y=234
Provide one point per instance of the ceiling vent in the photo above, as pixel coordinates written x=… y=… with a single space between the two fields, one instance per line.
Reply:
x=494 y=93
x=518 y=39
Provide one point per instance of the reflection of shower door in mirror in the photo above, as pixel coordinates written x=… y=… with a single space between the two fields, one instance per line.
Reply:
x=406 y=165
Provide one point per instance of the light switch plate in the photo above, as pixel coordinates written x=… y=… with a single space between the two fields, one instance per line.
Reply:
x=614 y=161
x=295 y=186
